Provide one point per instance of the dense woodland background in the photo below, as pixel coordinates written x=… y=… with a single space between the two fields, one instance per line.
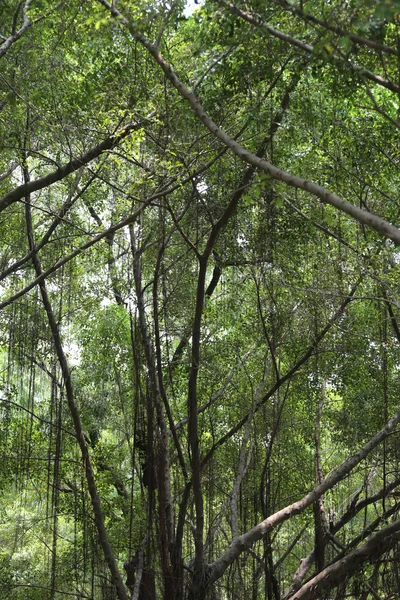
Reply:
x=199 y=293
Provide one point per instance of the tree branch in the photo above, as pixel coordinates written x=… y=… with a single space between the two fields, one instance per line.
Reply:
x=364 y=217
x=240 y=544
x=393 y=87
x=66 y=373
x=330 y=577
x=338 y=30
x=288 y=375
x=26 y=23
x=70 y=167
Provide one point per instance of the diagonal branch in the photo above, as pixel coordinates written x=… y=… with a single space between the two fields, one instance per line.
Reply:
x=393 y=87
x=288 y=375
x=330 y=577
x=70 y=167
x=243 y=542
x=104 y=234
x=8 y=171
x=338 y=30
x=354 y=508
x=56 y=221
x=364 y=217
x=26 y=23
x=221 y=390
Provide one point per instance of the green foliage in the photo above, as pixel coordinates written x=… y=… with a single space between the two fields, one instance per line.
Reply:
x=279 y=270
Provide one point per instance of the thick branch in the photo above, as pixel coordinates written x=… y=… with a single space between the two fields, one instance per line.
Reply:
x=26 y=23
x=104 y=234
x=354 y=508
x=244 y=541
x=56 y=221
x=72 y=166
x=364 y=217
x=8 y=171
x=330 y=577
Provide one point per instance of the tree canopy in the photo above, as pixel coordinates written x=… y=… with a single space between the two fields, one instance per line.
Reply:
x=199 y=275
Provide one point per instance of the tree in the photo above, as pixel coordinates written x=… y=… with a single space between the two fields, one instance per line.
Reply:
x=199 y=309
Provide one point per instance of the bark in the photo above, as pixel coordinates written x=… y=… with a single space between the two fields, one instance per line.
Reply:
x=177 y=552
